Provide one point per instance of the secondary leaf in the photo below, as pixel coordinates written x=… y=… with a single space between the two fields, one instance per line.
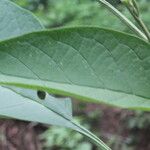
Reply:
x=86 y=63
x=16 y=21
x=62 y=106
x=49 y=111
x=31 y=108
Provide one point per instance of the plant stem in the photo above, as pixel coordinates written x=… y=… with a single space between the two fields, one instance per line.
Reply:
x=133 y=9
x=91 y=136
x=144 y=28
x=124 y=19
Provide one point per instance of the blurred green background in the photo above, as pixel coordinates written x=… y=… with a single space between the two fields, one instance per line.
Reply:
x=120 y=129
x=56 y=13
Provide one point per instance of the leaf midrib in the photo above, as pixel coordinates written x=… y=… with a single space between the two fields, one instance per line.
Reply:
x=47 y=88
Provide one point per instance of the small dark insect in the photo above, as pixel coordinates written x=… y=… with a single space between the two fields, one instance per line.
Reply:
x=41 y=94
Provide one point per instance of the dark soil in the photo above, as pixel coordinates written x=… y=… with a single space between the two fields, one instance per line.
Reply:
x=19 y=135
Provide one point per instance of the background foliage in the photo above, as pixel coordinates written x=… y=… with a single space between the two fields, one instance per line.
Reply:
x=55 y=13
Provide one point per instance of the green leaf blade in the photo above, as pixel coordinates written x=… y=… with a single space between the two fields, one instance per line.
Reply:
x=16 y=21
x=23 y=108
x=87 y=63
x=30 y=108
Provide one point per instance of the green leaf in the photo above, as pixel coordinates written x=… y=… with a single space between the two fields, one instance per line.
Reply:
x=16 y=21
x=48 y=111
x=62 y=106
x=31 y=108
x=92 y=64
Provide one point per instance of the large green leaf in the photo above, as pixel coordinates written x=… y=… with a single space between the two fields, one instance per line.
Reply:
x=86 y=63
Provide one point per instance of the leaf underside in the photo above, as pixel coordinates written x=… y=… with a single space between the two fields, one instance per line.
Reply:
x=31 y=108
x=16 y=21
x=86 y=63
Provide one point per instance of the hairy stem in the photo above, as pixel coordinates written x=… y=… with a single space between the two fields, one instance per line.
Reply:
x=133 y=9
x=91 y=136
x=144 y=28
x=123 y=19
